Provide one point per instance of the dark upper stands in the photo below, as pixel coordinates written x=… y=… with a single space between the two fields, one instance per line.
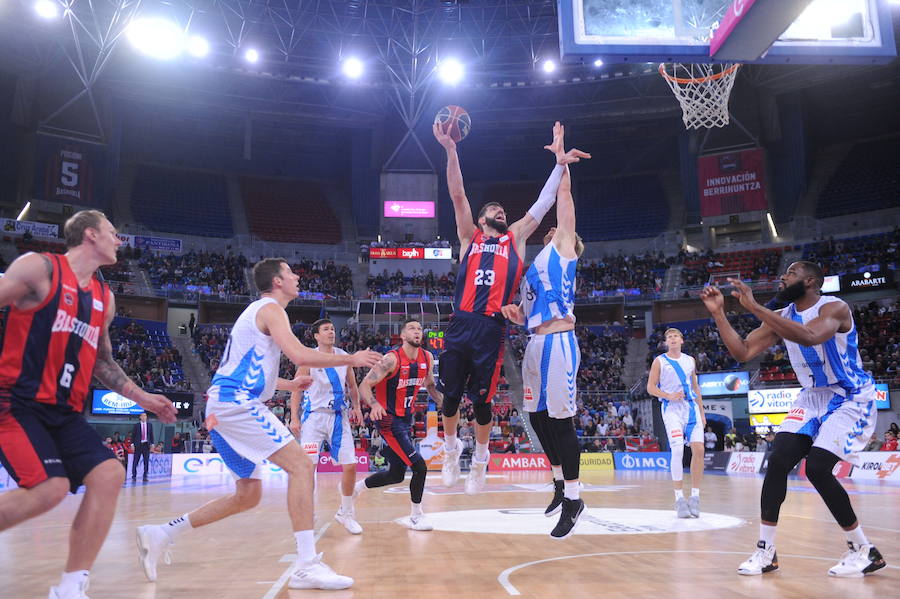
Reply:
x=185 y=202
x=867 y=179
x=516 y=198
x=623 y=208
x=292 y=211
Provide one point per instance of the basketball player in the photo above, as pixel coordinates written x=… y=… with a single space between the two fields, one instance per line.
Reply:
x=833 y=416
x=57 y=336
x=552 y=357
x=246 y=433
x=327 y=416
x=489 y=272
x=397 y=379
x=673 y=379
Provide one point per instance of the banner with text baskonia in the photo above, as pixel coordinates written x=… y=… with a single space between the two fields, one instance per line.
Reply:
x=732 y=182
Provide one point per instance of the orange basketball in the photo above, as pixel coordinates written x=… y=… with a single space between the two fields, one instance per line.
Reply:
x=454 y=121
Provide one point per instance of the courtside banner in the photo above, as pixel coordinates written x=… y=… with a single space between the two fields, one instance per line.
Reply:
x=190 y=464
x=732 y=182
x=326 y=464
x=716 y=461
x=772 y=401
x=877 y=465
x=513 y=462
x=597 y=461
x=745 y=462
x=641 y=460
x=160 y=465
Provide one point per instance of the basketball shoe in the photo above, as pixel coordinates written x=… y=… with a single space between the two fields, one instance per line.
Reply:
x=556 y=502
x=477 y=477
x=314 y=574
x=77 y=593
x=681 y=507
x=571 y=512
x=419 y=522
x=153 y=542
x=348 y=519
x=764 y=559
x=693 y=504
x=450 y=468
x=858 y=561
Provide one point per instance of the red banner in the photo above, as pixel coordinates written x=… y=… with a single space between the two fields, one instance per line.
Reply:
x=510 y=462
x=397 y=253
x=732 y=182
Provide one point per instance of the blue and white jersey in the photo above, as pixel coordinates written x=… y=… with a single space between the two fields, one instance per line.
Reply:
x=327 y=394
x=675 y=374
x=249 y=367
x=835 y=363
x=548 y=288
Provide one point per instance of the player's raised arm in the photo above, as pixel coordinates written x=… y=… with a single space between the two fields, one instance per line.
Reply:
x=384 y=368
x=274 y=321
x=461 y=207
x=742 y=350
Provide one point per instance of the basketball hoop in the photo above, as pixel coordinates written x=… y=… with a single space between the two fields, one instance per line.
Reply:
x=702 y=90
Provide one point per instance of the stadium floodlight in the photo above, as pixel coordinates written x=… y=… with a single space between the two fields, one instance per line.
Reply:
x=352 y=67
x=598 y=62
x=46 y=9
x=251 y=55
x=198 y=46
x=549 y=66
x=451 y=71
x=155 y=37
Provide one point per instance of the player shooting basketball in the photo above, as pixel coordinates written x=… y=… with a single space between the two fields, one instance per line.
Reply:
x=490 y=268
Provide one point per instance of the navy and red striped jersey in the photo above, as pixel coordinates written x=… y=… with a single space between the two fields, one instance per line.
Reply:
x=49 y=351
x=397 y=392
x=488 y=274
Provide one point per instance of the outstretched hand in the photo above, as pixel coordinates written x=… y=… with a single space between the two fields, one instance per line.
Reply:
x=557 y=146
x=713 y=299
x=443 y=138
x=743 y=293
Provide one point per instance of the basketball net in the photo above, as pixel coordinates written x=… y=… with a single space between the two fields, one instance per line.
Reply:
x=702 y=90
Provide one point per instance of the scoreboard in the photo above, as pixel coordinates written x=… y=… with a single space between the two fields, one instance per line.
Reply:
x=434 y=340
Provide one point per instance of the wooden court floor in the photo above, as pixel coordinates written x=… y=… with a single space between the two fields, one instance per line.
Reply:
x=629 y=545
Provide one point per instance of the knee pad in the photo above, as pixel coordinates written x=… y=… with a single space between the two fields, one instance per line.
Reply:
x=419 y=466
x=820 y=464
x=676 y=464
x=482 y=413
x=450 y=406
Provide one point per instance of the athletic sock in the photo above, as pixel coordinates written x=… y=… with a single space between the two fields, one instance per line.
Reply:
x=481 y=452
x=695 y=492
x=451 y=442
x=306 y=545
x=346 y=503
x=767 y=534
x=857 y=536
x=177 y=526
x=359 y=487
x=557 y=472
x=570 y=489
x=416 y=509
x=679 y=494
x=72 y=580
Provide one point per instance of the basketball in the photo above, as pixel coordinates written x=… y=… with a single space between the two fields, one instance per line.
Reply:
x=454 y=121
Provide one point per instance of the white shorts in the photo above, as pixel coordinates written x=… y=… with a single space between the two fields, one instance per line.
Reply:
x=841 y=425
x=549 y=374
x=245 y=434
x=683 y=423
x=328 y=426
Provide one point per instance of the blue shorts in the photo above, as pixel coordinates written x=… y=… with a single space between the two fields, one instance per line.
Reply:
x=472 y=357
x=396 y=434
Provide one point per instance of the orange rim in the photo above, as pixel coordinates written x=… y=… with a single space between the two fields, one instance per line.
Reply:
x=686 y=81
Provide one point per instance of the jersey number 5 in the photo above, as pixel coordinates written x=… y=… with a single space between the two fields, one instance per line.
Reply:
x=484 y=277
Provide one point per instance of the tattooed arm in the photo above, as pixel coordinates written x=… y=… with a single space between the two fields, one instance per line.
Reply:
x=113 y=377
x=378 y=372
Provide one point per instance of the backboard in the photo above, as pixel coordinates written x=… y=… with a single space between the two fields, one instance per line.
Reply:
x=622 y=31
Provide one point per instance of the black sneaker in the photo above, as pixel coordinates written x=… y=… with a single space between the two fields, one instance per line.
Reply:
x=556 y=503
x=571 y=511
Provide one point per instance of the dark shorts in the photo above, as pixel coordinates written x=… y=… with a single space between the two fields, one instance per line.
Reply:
x=39 y=441
x=472 y=357
x=396 y=434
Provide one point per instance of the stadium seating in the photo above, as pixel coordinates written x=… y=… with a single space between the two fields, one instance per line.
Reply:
x=867 y=179
x=622 y=208
x=145 y=352
x=701 y=340
x=756 y=265
x=184 y=202
x=849 y=255
x=291 y=211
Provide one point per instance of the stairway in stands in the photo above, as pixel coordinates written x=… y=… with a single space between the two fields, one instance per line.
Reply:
x=194 y=368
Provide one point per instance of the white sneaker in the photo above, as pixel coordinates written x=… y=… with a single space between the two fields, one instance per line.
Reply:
x=857 y=562
x=477 y=476
x=763 y=560
x=153 y=542
x=74 y=594
x=314 y=574
x=419 y=522
x=348 y=519
x=450 y=468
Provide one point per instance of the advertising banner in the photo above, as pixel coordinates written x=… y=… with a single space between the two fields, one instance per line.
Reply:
x=404 y=209
x=157 y=244
x=326 y=464
x=724 y=383
x=718 y=407
x=745 y=462
x=104 y=401
x=438 y=253
x=772 y=401
x=409 y=253
x=641 y=460
x=732 y=182
x=877 y=465
x=882 y=396
x=513 y=462
x=764 y=423
x=868 y=281
x=716 y=460
x=69 y=172
x=597 y=461
x=160 y=465
x=10 y=225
